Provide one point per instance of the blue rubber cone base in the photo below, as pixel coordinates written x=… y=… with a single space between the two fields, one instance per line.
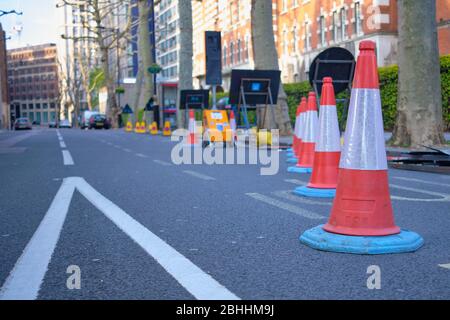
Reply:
x=292 y=160
x=405 y=241
x=299 y=170
x=314 y=192
x=289 y=150
x=290 y=154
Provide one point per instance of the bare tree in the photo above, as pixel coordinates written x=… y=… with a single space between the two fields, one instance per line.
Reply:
x=105 y=38
x=185 y=81
x=419 y=110
x=70 y=90
x=144 y=81
x=266 y=57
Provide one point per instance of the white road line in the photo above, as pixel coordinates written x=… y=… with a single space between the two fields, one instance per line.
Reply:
x=199 y=175
x=163 y=163
x=62 y=144
x=60 y=138
x=296 y=181
x=141 y=155
x=126 y=150
x=192 y=278
x=26 y=277
x=423 y=181
x=441 y=197
x=291 y=197
x=446 y=265
x=67 y=158
x=285 y=206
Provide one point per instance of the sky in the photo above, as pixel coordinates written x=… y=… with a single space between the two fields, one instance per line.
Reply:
x=38 y=22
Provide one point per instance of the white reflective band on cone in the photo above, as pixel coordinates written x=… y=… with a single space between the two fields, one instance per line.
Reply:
x=310 y=127
x=297 y=126
x=191 y=125
x=329 y=135
x=364 y=144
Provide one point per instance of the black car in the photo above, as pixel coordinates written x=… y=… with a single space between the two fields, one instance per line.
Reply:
x=99 y=121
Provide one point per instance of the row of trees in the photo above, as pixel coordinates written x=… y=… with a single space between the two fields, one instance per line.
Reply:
x=94 y=69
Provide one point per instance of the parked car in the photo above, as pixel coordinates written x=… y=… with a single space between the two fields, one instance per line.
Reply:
x=52 y=124
x=85 y=117
x=65 y=124
x=22 y=123
x=99 y=121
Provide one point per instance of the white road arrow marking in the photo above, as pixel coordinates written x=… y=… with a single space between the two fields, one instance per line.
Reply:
x=26 y=278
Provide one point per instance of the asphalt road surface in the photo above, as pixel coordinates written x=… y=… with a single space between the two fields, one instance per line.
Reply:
x=112 y=210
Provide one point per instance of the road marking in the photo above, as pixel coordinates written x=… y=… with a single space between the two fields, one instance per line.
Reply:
x=296 y=181
x=423 y=181
x=60 y=138
x=442 y=197
x=126 y=150
x=25 y=279
x=199 y=175
x=291 y=197
x=446 y=266
x=67 y=158
x=285 y=206
x=163 y=163
x=141 y=155
x=62 y=144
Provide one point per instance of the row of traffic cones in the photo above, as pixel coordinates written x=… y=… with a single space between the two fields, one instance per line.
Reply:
x=140 y=127
x=361 y=219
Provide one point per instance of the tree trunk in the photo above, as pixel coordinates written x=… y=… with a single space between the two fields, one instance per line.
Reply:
x=185 y=53
x=144 y=83
x=419 y=108
x=266 y=57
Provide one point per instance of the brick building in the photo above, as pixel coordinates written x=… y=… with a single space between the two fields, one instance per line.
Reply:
x=33 y=82
x=4 y=104
x=302 y=29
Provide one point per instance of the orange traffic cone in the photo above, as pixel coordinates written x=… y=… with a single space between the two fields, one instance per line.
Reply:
x=299 y=124
x=192 y=138
x=328 y=148
x=308 y=136
x=361 y=218
x=167 y=130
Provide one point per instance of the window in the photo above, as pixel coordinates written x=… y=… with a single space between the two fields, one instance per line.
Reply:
x=343 y=18
x=285 y=5
x=231 y=53
x=307 y=36
x=322 y=35
x=295 y=39
x=224 y=56
x=285 y=42
x=357 y=28
x=239 y=58
x=38 y=105
x=30 y=106
x=335 y=26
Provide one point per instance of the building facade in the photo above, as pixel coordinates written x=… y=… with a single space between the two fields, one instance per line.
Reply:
x=4 y=101
x=34 y=83
x=303 y=29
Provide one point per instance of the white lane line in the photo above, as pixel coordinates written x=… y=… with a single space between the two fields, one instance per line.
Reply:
x=67 y=158
x=199 y=175
x=445 y=266
x=441 y=197
x=60 y=138
x=192 y=278
x=423 y=181
x=296 y=181
x=126 y=150
x=26 y=277
x=62 y=144
x=140 y=155
x=285 y=206
x=287 y=195
x=163 y=163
